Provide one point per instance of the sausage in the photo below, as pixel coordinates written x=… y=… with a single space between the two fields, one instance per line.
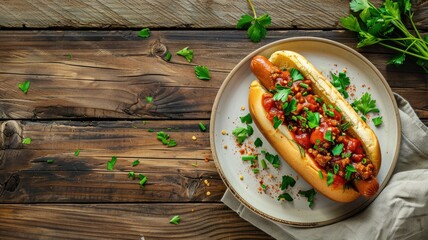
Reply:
x=283 y=140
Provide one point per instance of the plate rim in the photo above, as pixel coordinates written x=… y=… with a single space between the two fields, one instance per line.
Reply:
x=212 y=131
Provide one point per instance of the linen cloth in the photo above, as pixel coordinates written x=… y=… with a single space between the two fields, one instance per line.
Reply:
x=399 y=212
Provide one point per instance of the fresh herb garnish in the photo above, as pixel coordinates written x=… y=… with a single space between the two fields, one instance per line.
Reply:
x=131 y=174
x=135 y=163
x=149 y=99
x=256 y=25
x=250 y=158
x=77 y=152
x=330 y=178
x=246 y=119
x=348 y=171
x=285 y=196
x=320 y=174
x=341 y=82
x=337 y=150
x=144 y=33
x=365 y=104
x=185 y=52
x=25 y=86
x=165 y=139
x=202 y=72
x=240 y=133
x=250 y=130
x=364 y=161
x=258 y=142
x=313 y=119
x=273 y=159
x=282 y=94
x=304 y=85
x=202 y=127
x=175 y=220
x=26 y=141
x=256 y=170
x=328 y=136
x=143 y=180
x=385 y=25
x=276 y=122
x=287 y=181
x=310 y=194
x=49 y=161
x=263 y=163
x=290 y=107
x=344 y=126
x=377 y=121
x=111 y=163
x=336 y=168
x=167 y=56
x=296 y=75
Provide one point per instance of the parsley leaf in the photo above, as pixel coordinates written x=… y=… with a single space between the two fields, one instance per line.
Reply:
x=377 y=121
x=25 y=86
x=310 y=194
x=282 y=94
x=175 y=220
x=256 y=25
x=296 y=74
x=135 y=163
x=358 y=5
x=202 y=72
x=258 y=142
x=397 y=59
x=313 y=119
x=365 y=104
x=341 y=82
x=240 y=133
x=246 y=119
x=250 y=130
x=26 y=141
x=276 y=122
x=337 y=150
x=328 y=136
x=144 y=33
x=273 y=159
x=290 y=107
x=287 y=181
x=111 y=163
x=285 y=196
x=185 y=52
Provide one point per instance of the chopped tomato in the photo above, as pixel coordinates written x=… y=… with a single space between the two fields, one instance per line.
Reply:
x=303 y=140
x=317 y=136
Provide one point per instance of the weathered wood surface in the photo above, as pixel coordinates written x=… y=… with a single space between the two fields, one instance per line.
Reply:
x=86 y=74
x=123 y=221
x=294 y=14
x=175 y=174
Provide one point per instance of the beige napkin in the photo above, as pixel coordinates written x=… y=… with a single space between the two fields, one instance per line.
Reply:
x=399 y=212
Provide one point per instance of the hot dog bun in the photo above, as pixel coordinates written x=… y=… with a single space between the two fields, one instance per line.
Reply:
x=282 y=140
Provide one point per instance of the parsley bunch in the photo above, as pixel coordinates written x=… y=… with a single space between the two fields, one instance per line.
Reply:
x=384 y=26
x=256 y=25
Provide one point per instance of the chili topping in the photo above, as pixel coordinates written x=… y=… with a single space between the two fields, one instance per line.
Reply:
x=318 y=127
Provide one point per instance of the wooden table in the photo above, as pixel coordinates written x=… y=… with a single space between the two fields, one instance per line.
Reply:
x=90 y=75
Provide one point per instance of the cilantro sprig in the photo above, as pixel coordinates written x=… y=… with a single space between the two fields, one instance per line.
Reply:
x=202 y=73
x=385 y=26
x=256 y=25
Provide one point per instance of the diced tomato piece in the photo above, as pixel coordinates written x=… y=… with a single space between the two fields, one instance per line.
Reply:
x=303 y=140
x=353 y=144
x=317 y=136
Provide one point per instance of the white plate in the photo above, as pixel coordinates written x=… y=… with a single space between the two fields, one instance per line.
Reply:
x=326 y=55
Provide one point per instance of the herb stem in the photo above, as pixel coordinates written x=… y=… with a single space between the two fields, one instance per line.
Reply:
x=252 y=8
x=403 y=51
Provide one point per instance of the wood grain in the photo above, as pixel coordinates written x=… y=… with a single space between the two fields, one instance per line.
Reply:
x=124 y=221
x=294 y=14
x=109 y=74
x=175 y=174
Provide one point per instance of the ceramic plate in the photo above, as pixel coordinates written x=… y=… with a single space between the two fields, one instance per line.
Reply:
x=231 y=103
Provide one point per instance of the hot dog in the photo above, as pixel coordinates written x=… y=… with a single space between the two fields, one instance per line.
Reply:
x=320 y=135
